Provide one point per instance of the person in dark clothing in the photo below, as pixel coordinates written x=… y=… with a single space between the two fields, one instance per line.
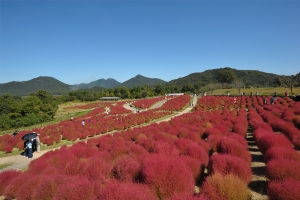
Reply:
x=29 y=149
x=15 y=133
x=272 y=100
x=265 y=100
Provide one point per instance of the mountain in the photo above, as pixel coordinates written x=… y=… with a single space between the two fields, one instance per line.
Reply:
x=250 y=77
x=140 y=80
x=54 y=86
x=109 y=83
x=23 y=88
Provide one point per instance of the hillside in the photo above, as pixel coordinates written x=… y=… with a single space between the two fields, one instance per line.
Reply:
x=51 y=85
x=54 y=86
x=140 y=80
x=109 y=83
x=250 y=77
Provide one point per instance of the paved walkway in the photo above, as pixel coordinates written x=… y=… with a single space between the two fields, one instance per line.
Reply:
x=21 y=162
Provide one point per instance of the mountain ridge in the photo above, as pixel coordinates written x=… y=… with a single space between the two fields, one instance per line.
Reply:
x=54 y=86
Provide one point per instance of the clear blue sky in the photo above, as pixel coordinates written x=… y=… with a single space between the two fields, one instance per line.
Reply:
x=82 y=41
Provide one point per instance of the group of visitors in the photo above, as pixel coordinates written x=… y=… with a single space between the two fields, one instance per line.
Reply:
x=31 y=146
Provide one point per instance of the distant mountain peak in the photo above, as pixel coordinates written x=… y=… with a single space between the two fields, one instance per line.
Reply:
x=140 y=80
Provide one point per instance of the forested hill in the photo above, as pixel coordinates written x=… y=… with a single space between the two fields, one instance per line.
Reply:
x=248 y=77
x=140 y=80
x=109 y=83
x=49 y=84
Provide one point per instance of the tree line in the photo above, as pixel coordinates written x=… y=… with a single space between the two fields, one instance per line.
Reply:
x=16 y=111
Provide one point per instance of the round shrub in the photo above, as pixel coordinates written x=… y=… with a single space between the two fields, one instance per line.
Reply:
x=281 y=153
x=218 y=187
x=228 y=164
x=6 y=177
x=283 y=168
x=123 y=191
x=287 y=189
x=167 y=176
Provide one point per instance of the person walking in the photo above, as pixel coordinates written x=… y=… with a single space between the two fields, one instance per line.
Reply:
x=286 y=93
x=29 y=148
x=38 y=143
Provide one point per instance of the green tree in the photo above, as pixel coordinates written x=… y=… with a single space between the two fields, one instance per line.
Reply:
x=159 y=89
x=226 y=76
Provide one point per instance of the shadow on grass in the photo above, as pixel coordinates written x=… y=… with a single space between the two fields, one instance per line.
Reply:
x=259 y=171
x=257 y=158
x=259 y=186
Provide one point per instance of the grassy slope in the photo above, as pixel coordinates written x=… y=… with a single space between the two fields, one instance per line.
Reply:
x=261 y=91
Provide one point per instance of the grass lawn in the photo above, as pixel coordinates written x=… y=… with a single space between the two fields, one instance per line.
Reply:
x=261 y=91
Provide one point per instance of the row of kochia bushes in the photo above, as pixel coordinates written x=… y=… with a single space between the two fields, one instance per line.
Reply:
x=281 y=158
x=147 y=103
x=159 y=161
x=96 y=123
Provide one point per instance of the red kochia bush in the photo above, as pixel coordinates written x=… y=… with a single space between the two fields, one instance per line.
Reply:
x=127 y=169
x=8 y=148
x=283 y=168
x=214 y=140
x=190 y=148
x=6 y=177
x=281 y=153
x=196 y=166
x=167 y=176
x=287 y=189
x=125 y=191
x=187 y=197
x=27 y=189
x=271 y=140
x=287 y=115
x=194 y=150
x=99 y=168
x=296 y=121
x=228 y=164
x=240 y=128
x=75 y=188
x=233 y=147
x=12 y=189
x=76 y=166
x=218 y=187
x=47 y=187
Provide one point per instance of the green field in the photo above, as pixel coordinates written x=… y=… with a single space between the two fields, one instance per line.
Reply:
x=261 y=91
